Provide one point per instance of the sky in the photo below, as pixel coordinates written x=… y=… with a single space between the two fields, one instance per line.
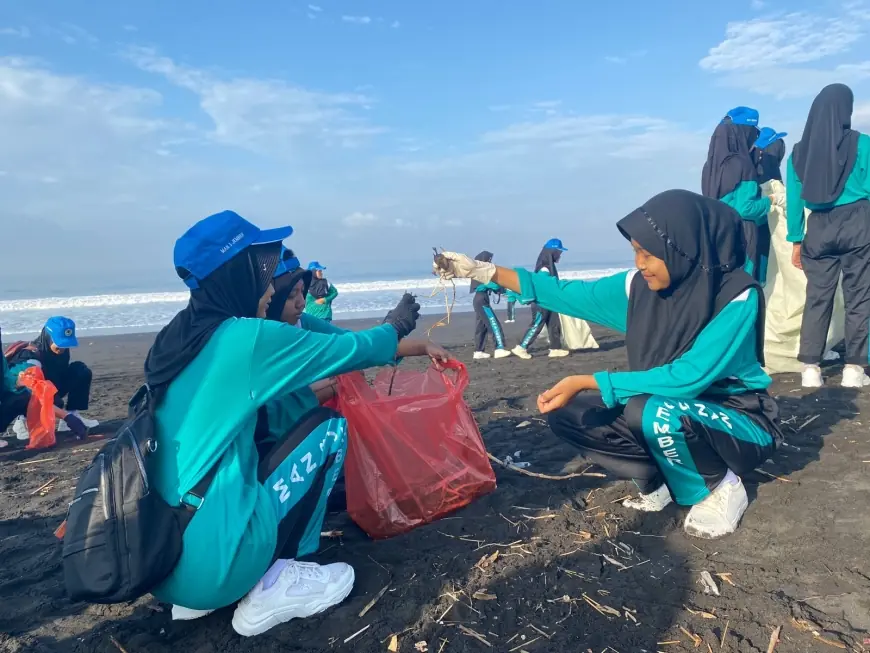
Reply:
x=379 y=129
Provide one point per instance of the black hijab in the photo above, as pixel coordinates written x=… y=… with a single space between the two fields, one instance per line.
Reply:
x=233 y=290
x=53 y=365
x=284 y=285
x=729 y=161
x=547 y=260
x=701 y=242
x=770 y=161
x=319 y=288
x=485 y=257
x=826 y=153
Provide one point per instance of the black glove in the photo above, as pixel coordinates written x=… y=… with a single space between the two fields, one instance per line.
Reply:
x=76 y=426
x=404 y=317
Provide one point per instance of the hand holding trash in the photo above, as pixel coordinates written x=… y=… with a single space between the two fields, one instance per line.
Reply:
x=450 y=265
x=777 y=199
x=404 y=317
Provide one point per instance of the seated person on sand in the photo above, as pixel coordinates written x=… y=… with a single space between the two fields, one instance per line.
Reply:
x=212 y=368
x=51 y=352
x=693 y=412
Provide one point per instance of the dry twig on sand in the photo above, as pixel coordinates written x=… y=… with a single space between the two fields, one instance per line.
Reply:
x=36 y=462
x=117 y=644
x=546 y=477
x=371 y=603
x=774 y=639
x=357 y=633
x=43 y=486
x=473 y=633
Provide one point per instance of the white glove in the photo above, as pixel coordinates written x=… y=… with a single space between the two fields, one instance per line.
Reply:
x=460 y=266
x=777 y=199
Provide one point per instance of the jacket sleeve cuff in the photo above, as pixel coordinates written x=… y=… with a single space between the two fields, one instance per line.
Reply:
x=527 y=286
x=608 y=396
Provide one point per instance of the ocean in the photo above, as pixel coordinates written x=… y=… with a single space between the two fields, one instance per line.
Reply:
x=112 y=313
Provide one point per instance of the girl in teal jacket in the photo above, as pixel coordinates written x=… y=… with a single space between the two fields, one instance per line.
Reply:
x=321 y=293
x=692 y=414
x=215 y=366
x=730 y=175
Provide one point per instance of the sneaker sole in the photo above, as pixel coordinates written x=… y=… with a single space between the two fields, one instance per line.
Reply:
x=247 y=628
x=628 y=503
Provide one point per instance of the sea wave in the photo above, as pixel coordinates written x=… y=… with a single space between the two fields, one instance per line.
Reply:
x=139 y=299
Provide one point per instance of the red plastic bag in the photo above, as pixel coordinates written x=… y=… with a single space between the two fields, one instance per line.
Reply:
x=40 y=408
x=414 y=455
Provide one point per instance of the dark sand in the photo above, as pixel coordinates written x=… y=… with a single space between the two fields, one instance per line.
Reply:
x=799 y=561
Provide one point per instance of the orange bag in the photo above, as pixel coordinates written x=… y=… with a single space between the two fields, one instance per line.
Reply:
x=40 y=408
x=414 y=453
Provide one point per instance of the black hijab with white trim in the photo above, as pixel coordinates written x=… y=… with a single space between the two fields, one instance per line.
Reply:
x=701 y=242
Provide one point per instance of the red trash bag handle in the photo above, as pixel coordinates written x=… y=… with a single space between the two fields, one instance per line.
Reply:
x=458 y=381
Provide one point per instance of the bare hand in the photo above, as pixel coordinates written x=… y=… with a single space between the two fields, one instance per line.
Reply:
x=438 y=355
x=563 y=392
x=796 y=256
x=320 y=301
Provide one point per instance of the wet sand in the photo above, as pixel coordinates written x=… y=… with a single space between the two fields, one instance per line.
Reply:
x=575 y=571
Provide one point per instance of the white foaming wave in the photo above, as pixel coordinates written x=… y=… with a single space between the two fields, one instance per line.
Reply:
x=101 y=301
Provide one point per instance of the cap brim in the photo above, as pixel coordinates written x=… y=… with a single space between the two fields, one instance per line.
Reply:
x=273 y=235
x=66 y=343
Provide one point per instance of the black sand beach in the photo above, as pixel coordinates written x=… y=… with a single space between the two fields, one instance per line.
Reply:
x=574 y=572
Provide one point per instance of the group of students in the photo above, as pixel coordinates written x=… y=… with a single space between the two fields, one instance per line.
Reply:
x=826 y=198
x=242 y=372
x=487 y=323
x=50 y=351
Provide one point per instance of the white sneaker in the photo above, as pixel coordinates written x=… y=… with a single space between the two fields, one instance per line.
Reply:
x=509 y=321
x=19 y=428
x=520 y=352
x=652 y=502
x=502 y=353
x=718 y=514
x=559 y=353
x=811 y=377
x=301 y=589
x=180 y=613
x=481 y=355
x=89 y=423
x=855 y=377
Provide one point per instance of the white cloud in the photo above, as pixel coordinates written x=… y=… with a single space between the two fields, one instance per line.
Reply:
x=20 y=32
x=783 y=54
x=794 y=38
x=757 y=4
x=616 y=60
x=317 y=8
x=359 y=219
x=71 y=34
x=130 y=28
x=395 y=24
x=359 y=20
x=267 y=115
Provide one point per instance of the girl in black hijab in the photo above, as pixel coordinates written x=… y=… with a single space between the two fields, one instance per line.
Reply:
x=730 y=175
x=547 y=260
x=827 y=174
x=692 y=413
x=486 y=322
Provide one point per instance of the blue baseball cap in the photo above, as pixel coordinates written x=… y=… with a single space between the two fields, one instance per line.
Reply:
x=287 y=263
x=555 y=243
x=314 y=266
x=768 y=136
x=214 y=240
x=743 y=116
x=62 y=331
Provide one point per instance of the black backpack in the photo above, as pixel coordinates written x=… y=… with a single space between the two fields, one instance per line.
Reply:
x=122 y=539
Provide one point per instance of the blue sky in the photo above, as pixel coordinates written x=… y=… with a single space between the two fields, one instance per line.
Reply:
x=380 y=129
